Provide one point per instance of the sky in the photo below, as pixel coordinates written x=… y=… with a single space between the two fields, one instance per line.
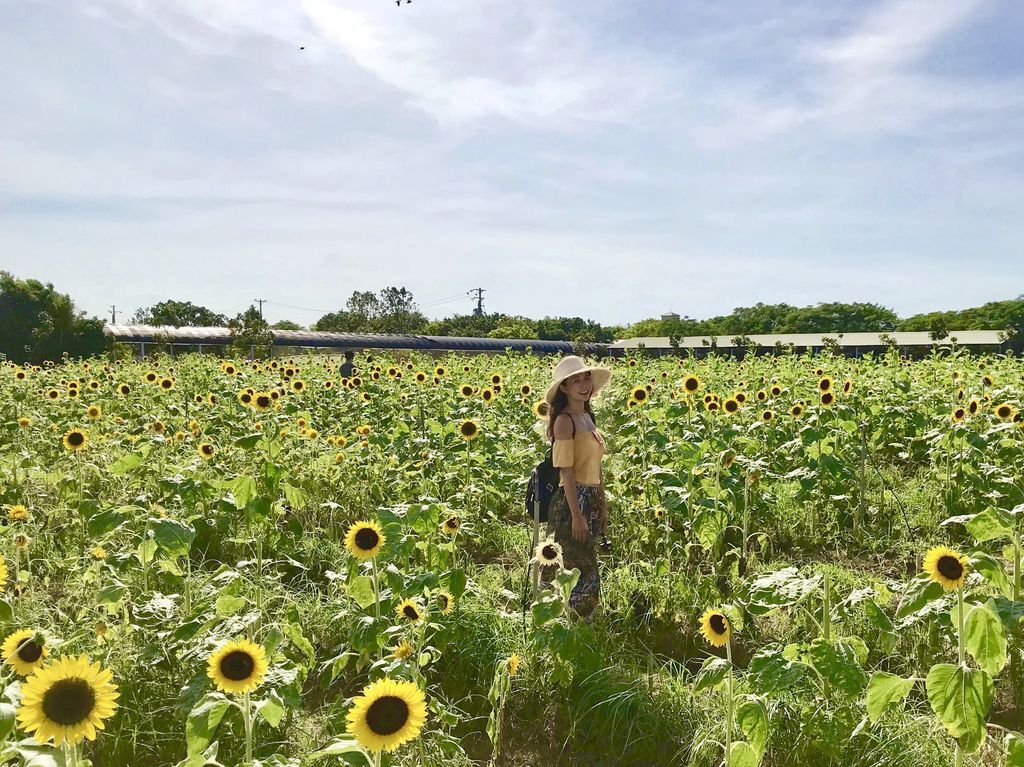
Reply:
x=606 y=159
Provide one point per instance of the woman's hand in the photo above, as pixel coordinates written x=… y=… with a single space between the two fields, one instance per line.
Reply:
x=579 y=527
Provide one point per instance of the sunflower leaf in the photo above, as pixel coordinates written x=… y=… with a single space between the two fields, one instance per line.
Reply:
x=203 y=721
x=884 y=689
x=960 y=697
x=1014 y=744
x=711 y=674
x=984 y=637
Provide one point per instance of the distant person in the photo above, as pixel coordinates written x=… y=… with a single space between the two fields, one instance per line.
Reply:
x=347 y=368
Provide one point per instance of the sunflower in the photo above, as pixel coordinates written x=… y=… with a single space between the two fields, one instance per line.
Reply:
x=513 y=663
x=151 y=377
x=363 y=430
x=3 y=573
x=549 y=553
x=410 y=610
x=731 y=405
x=75 y=440
x=421 y=377
x=237 y=666
x=958 y=415
x=229 y=369
x=496 y=378
x=24 y=421
x=827 y=398
x=446 y=602
x=440 y=371
x=403 y=650
x=639 y=395
x=714 y=625
x=364 y=540
x=245 y=397
x=366 y=396
x=767 y=416
x=262 y=401
x=298 y=385
x=776 y=390
x=94 y=412
x=167 y=384
x=987 y=380
x=1004 y=411
x=466 y=390
x=17 y=512
x=24 y=651
x=541 y=408
x=797 y=410
x=158 y=427
x=946 y=567
x=211 y=398
x=825 y=384
x=468 y=430
x=711 y=406
x=487 y=395
x=691 y=384
x=67 y=700
x=972 y=406
x=387 y=714
x=98 y=552
x=53 y=394
x=206 y=451
x=22 y=541
x=847 y=386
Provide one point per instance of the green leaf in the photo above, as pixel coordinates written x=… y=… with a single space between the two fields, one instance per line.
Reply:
x=992 y=569
x=712 y=672
x=249 y=441
x=111 y=594
x=961 y=698
x=203 y=720
x=990 y=524
x=783 y=588
x=752 y=717
x=227 y=604
x=244 y=489
x=6 y=611
x=296 y=498
x=743 y=755
x=984 y=637
x=294 y=633
x=271 y=709
x=885 y=689
x=770 y=672
x=1014 y=744
x=127 y=463
x=360 y=588
x=708 y=525
x=173 y=536
x=105 y=522
x=837 y=663
x=7 y=714
x=340 y=747
x=920 y=591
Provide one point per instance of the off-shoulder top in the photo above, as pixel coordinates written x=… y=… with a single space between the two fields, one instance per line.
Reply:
x=583 y=452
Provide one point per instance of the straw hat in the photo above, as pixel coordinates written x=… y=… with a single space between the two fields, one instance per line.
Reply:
x=570 y=366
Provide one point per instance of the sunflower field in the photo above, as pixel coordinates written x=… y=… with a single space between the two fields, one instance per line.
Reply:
x=814 y=561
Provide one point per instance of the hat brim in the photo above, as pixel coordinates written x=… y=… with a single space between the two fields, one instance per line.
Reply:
x=599 y=377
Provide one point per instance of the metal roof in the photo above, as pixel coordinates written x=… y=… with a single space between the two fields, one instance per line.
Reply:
x=902 y=338
x=222 y=336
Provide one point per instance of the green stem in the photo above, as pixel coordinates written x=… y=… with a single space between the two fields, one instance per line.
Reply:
x=728 y=719
x=826 y=618
x=247 y=721
x=960 y=622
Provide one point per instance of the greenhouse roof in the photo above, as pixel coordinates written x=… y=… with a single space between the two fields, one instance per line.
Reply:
x=904 y=338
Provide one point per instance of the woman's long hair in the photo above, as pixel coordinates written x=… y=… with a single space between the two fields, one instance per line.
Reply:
x=560 y=403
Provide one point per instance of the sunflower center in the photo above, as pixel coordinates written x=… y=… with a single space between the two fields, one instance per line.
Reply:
x=69 y=701
x=549 y=552
x=366 y=538
x=76 y=438
x=410 y=612
x=263 y=401
x=950 y=567
x=717 y=623
x=237 y=665
x=387 y=715
x=30 y=651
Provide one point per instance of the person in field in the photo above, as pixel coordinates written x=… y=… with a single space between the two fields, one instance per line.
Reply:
x=347 y=368
x=578 y=513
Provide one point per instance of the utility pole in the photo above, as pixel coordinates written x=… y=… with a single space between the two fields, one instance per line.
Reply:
x=113 y=314
x=479 y=300
x=260 y=301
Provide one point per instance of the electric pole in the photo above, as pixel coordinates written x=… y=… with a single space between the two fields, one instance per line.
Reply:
x=260 y=301
x=479 y=300
x=113 y=314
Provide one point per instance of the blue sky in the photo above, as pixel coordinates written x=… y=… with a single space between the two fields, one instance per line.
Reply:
x=612 y=160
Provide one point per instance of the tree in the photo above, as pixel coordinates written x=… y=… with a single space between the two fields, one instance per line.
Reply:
x=179 y=314
x=287 y=325
x=37 y=323
x=250 y=333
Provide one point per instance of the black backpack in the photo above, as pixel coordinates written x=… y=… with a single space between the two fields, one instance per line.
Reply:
x=542 y=485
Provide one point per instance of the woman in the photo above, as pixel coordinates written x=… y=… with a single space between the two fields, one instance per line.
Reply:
x=578 y=513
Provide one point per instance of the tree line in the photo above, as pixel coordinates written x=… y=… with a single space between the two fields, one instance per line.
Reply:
x=37 y=322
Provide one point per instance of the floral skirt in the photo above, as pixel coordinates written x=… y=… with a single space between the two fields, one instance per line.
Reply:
x=583 y=555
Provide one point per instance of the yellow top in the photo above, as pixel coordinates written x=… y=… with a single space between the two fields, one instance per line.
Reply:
x=583 y=453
